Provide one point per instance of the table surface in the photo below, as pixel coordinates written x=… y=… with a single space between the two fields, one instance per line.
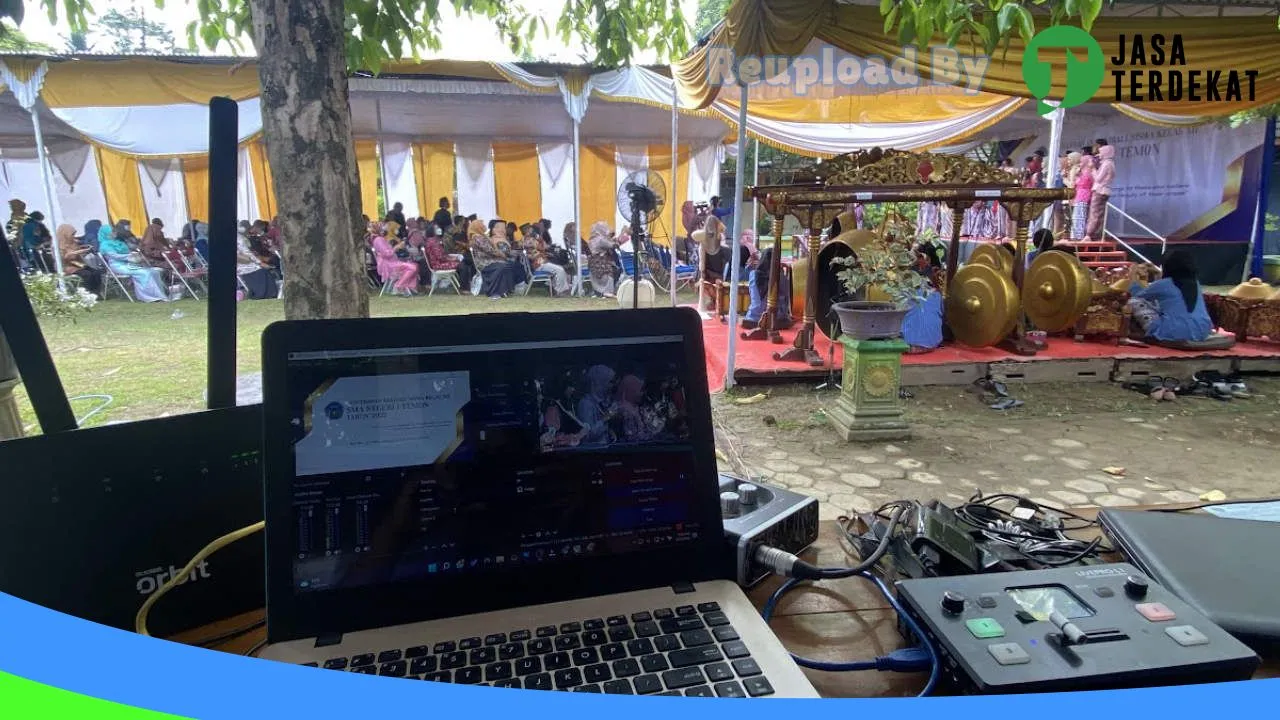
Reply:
x=837 y=620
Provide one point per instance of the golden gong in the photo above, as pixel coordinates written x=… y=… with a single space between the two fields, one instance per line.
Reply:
x=1056 y=291
x=994 y=256
x=846 y=244
x=982 y=305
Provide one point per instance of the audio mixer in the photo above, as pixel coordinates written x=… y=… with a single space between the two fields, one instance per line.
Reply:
x=757 y=514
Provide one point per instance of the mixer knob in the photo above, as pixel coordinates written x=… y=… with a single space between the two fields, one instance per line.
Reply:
x=952 y=602
x=728 y=484
x=747 y=495
x=1135 y=587
x=729 y=505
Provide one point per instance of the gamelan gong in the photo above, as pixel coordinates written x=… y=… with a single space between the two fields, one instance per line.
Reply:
x=1056 y=291
x=996 y=256
x=982 y=305
x=830 y=289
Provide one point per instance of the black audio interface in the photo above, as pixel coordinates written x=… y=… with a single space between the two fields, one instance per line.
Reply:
x=756 y=514
x=1073 y=628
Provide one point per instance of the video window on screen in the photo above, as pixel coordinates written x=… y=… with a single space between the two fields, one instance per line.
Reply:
x=615 y=404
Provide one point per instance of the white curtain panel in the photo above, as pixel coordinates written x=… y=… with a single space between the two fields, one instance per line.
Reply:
x=22 y=180
x=82 y=201
x=830 y=139
x=180 y=129
x=246 y=193
x=555 y=173
x=629 y=159
x=166 y=200
x=704 y=173
x=398 y=177
x=71 y=162
x=476 y=190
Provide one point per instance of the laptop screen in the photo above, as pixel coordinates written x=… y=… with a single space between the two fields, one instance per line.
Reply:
x=443 y=464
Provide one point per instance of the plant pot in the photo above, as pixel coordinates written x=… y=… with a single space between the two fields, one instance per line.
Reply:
x=870 y=320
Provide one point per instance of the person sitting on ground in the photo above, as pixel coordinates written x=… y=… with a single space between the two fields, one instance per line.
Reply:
x=74 y=260
x=1042 y=241
x=535 y=248
x=922 y=325
x=403 y=274
x=124 y=261
x=444 y=220
x=603 y=260
x=1172 y=309
x=491 y=254
x=153 y=244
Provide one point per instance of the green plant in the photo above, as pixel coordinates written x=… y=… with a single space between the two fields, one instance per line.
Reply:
x=49 y=300
x=888 y=265
x=1271 y=223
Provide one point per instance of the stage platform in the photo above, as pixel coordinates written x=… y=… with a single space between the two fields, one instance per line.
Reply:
x=1065 y=360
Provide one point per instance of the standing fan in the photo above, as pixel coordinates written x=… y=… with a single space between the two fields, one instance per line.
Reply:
x=641 y=197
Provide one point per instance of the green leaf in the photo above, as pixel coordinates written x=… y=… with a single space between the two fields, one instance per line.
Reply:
x=954 y=36
x=885 y=6
x=1072 y=7
x=1026 y=23
x=890 y=19
x=1005 y=18
x=924 y=28
x=1089 y=11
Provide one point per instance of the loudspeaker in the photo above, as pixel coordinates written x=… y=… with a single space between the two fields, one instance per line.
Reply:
x=93 y=521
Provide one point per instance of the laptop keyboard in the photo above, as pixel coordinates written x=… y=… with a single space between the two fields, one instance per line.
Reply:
x=689 y=650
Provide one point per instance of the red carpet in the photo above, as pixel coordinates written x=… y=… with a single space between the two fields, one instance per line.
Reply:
x=755 y=357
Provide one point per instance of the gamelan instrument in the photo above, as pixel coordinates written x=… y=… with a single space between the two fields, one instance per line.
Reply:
x=983 y=304
x=846 y=244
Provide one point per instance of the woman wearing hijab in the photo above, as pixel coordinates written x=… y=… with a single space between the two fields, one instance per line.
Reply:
x=255 y=274
x=201 y=242
x=595 y=409
x=1172 y=308
x=1102 y=179
x=153 y=245
x=535 y=248
x=148 y=282
x=74 y=260
x=402 y=273
x=90 y=236
x=1084 y=195
x=603 y=263
x=498 y=272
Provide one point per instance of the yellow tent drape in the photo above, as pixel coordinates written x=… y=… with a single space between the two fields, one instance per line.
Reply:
x=660 y=162
x=433 y=170
x=597 y=186
x=263 y=184
x=195 y=180
x=765 y=28
x=128 y=83
x=517 y=182
x=367 y=166
x=122 y=186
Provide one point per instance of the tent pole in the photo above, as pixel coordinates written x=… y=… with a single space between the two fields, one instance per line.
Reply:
x=1257 y=239
x=735 y=240
x=48 y=191
x=755 y=181
x=577 y=208
x=675 y=176
x=1055 y=151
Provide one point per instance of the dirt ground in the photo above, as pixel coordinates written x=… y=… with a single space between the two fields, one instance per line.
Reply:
x=1069 y=444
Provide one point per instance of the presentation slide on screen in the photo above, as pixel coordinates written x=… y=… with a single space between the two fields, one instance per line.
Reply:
x=383 y=421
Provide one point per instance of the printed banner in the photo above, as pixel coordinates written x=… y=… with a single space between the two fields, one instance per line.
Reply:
x=1190 y=183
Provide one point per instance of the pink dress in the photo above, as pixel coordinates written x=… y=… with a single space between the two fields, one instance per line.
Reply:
x=390 y=266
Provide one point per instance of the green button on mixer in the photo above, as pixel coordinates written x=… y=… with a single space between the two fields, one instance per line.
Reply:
x=984 y=628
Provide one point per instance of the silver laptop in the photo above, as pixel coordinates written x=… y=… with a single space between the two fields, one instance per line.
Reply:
x=514 y=500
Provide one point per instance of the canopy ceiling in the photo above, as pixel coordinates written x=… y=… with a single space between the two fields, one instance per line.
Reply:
x=1244 y=39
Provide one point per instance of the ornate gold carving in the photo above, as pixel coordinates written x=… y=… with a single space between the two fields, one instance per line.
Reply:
x=879 y=381
x=897 y=167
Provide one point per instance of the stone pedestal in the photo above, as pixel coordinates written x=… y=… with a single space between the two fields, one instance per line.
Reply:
x=868 y=407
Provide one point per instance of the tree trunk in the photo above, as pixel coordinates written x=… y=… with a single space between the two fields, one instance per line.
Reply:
x=306 y=120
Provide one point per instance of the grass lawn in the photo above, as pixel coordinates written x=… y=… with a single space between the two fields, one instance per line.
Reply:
x=151 y=358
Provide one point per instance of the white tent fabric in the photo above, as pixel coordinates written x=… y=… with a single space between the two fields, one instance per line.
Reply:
x=398 y=177
x=704 y=173
x=71 y=162
x=166 y=199
x=21 y=178
x=629 y=159
x=82 y=202
x=26 y=91
x=477 y=193
x=556 y=181
x=163 y=130
x=246 y=192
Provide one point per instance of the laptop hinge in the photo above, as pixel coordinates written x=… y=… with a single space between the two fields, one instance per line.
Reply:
x=682 y=588
x=328 y=640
